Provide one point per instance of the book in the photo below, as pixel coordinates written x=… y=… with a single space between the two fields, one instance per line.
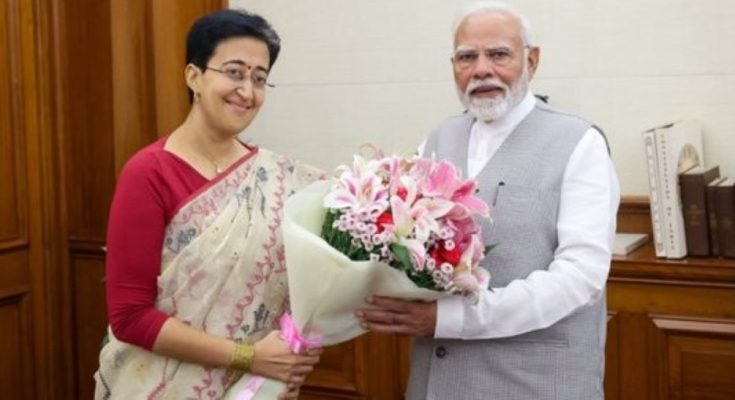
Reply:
x=692 y=184
x=714 y=240
x=678 y=147
x=649 y=141
x=725 y=210
x=625 y=243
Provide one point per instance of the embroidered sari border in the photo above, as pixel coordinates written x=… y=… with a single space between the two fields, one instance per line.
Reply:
x=254 y=150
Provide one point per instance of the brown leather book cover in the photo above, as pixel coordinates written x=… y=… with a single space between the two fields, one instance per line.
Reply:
x=692 y=185
x=725 y=209
x=714 y=239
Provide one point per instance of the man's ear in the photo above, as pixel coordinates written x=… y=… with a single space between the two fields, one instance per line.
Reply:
x=533 y=59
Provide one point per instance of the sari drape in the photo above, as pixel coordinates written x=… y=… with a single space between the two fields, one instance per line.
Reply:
x=223 y=271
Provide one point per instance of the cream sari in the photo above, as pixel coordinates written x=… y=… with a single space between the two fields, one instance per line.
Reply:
x=223 y=271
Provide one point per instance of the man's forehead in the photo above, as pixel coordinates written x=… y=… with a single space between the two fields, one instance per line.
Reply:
x=494 y=26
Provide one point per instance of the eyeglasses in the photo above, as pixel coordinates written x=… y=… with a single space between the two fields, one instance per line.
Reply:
x=498 y=56
x=258 y=77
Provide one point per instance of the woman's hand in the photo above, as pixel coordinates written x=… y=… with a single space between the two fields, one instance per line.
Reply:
x=274 y=359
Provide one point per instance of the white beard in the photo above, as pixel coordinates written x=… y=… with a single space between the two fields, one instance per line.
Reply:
x=490 y=109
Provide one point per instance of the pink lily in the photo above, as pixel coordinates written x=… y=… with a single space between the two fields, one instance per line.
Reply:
x=417 y=250
x=358 y=188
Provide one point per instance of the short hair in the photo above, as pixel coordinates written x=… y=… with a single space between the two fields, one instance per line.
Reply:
x=491 y=7
x=210 y=30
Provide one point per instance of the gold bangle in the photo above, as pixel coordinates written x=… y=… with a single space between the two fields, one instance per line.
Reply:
x=242 y=356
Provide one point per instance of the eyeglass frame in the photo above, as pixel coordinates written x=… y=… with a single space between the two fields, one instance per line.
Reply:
x=489 y=52
x=239 y=81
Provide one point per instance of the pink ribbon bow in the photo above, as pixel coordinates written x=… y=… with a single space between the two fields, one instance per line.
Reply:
x=293 y=337
x=295 y=341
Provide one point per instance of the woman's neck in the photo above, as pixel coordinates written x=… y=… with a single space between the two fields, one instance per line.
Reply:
x=206 y=149
x=196 y=132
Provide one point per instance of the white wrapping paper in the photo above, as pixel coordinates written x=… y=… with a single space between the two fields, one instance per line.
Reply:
x=325 y=286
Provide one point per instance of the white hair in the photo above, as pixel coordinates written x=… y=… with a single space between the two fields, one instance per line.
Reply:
x=490 y=7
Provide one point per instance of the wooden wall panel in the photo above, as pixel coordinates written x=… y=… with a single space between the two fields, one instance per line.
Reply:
x=90 y=319
x=9 y=212
x=695 y=358
x=371 y=370
x=87 y=109
x=337 y=369
x=88 y=171
x=15 y=366
x=16 y=334
x=403 y=351
x=133 y=94
x=13 y=270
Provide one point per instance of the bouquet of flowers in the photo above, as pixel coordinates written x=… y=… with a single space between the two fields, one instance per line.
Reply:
x=413 y=214
x=393 y=226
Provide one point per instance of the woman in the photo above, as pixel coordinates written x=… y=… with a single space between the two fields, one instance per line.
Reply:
x=196 y=276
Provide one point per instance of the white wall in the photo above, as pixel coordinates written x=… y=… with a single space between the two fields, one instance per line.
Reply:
x=356 y=71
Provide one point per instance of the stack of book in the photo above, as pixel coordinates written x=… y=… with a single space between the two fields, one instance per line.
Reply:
x=720 y=195
x=709 y=205
x=670 y=150
x=692 y=207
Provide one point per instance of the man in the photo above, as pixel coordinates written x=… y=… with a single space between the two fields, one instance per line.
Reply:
x=540 y=333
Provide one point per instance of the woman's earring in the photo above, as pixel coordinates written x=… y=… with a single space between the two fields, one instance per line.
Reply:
x=197 y=97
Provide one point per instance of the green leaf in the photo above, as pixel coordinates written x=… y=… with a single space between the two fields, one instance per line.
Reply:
x=402 y=255
x=489 y=248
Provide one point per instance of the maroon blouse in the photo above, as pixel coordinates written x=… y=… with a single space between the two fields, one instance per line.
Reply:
x=150 y=189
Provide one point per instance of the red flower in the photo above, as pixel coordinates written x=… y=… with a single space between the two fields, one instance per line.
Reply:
x=451 y=256
x=402 y=192
x=386 y=218
x=437 y=257
x=441 y=255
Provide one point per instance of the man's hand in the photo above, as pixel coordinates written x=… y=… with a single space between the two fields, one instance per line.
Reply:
x=390 y=315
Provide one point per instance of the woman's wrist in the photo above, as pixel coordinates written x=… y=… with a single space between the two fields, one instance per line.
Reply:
x=242 y=356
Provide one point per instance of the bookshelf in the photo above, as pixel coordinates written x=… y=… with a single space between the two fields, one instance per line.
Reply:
x=671 y=323
x=643 y=264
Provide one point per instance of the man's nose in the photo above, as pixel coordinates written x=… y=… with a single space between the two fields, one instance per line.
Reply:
x=483 y=67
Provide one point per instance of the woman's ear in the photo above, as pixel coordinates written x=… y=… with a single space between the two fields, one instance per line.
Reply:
x=192 y=73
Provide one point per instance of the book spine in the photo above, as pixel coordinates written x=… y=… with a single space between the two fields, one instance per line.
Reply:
x=726 y=219
x=714 y=240
x=673 y=226
x=694 y=206
x=654 y=193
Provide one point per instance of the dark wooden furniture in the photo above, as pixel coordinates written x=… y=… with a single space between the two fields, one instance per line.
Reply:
x=671 y=327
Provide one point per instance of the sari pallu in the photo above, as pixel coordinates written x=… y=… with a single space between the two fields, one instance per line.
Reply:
x=222 y=271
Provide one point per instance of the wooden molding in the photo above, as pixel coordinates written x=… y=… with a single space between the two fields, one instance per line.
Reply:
x=634 y=215
x=699 y=326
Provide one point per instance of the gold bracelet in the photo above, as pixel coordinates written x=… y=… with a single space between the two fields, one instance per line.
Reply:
x=242 y=356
